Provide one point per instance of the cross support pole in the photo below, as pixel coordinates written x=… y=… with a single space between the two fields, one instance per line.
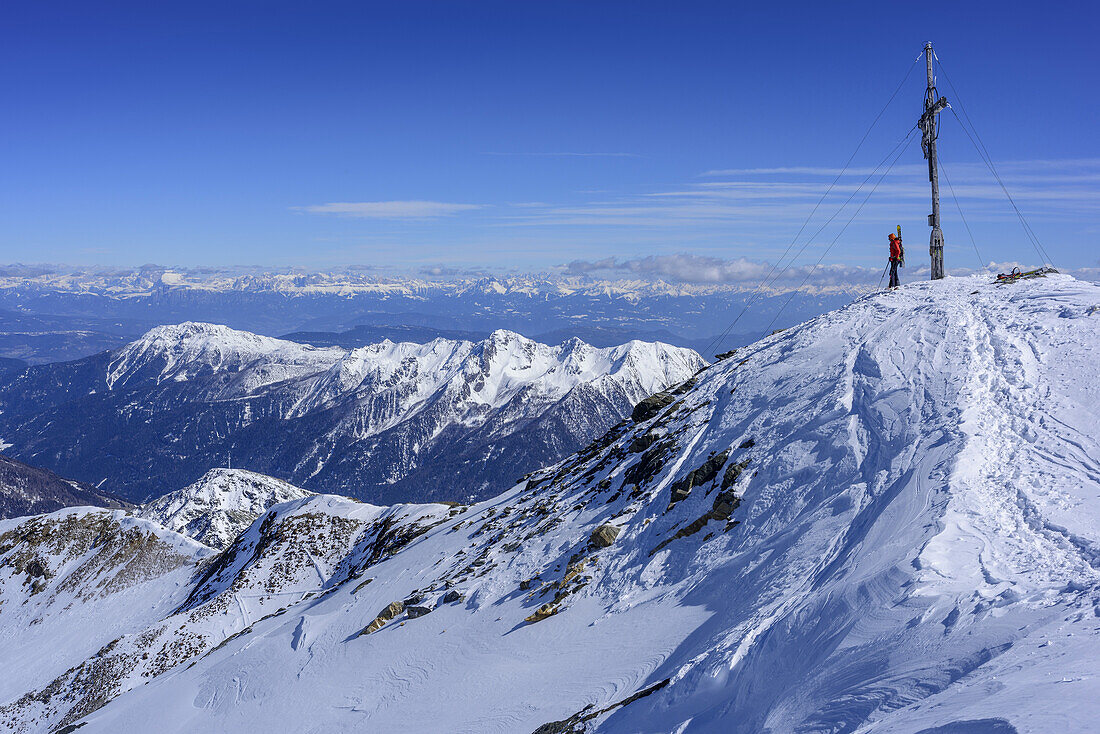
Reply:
x=929 y=125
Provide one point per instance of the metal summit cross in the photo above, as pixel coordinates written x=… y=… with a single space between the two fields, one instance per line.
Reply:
x=929 y=125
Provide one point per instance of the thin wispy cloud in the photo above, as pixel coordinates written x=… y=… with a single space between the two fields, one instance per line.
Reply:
x=388 y=209
x=563 y=154
x=1047 y=188
x=1027 y=166
x=799 y=170
x=758 y=213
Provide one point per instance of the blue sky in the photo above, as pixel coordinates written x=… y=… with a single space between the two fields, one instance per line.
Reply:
x=528 y=135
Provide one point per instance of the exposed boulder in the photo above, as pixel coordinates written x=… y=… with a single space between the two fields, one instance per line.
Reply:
x=546 y=610
x=384 y=616
x=604 y=535
x=643 y=442
x=724 y=505
x=576 y=723
x=417 y=610
x=651 y=406
x=684 y=386
x=733 y=473
x=575 y=569
x=453 y=596
x=650 y=463
x=698 y=477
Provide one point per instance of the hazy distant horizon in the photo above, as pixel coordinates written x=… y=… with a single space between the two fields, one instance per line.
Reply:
x=681 y=269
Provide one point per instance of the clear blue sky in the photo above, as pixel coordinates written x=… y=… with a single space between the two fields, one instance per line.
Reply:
x=528 y=134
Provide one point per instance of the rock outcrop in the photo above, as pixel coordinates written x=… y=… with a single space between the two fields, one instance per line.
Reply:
x=604 y=536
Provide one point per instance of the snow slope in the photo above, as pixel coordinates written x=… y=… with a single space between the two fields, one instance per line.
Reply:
x=73 y=580
x=215 y=509
x=884 y=520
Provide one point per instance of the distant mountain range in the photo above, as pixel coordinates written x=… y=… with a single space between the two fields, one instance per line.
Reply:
x=54 y=314
x=455 y=420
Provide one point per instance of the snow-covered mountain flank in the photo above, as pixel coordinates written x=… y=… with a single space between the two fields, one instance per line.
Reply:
x=386 y=422
x=215 y=509
x=886 y=519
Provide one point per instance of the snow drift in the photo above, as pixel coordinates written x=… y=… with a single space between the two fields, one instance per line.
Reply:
x=884 y=520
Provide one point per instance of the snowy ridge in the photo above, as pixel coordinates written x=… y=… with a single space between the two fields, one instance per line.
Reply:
x=884 y=520
x=480 y=377
x=215 y=509
x=148 y=599
x=487 y=373
x=387 y=421
x=73 y=580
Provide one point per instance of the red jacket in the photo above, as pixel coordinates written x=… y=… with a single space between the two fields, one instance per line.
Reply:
x=895 y=248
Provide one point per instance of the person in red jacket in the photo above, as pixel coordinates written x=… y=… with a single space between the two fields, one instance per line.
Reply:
x=897 y=256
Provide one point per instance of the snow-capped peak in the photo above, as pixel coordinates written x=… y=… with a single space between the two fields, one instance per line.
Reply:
x=474 y=377
x=216 y=508
x=181 y=351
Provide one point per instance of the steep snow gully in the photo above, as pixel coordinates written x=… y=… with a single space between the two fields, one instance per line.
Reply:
x=886 y=519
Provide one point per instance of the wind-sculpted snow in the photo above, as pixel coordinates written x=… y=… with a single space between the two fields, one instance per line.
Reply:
x=443 y=420
x=883 y=520
x=215 y=509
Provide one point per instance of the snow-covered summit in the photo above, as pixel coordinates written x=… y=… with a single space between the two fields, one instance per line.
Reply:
x=215 y=509
x=886 y=519
x=182 y=351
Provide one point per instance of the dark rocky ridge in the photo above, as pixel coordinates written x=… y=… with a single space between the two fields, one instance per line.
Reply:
x=28 y=490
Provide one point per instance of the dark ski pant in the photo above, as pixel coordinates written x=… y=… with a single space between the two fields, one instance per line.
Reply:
x=893 y=274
